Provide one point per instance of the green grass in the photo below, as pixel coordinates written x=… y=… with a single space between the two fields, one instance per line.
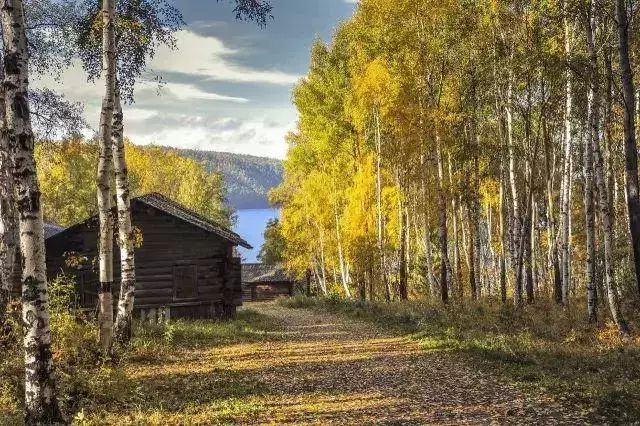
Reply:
x=539 y=347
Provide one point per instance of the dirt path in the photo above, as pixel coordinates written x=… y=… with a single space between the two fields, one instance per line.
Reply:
x=331 y=369
x=327 y=369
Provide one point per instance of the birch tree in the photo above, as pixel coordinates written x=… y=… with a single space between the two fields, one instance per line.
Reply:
x=105 y=244
x=603 y=190
x=565 y=213
x=630 y=146
x=8 y=219
x=126 y=236
x=591 y=150
x=41 y=405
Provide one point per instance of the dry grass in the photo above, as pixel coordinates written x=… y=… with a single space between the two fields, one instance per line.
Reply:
x=165 y=368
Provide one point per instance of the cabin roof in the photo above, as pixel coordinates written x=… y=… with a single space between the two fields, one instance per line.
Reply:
x=260 y=272
x=172 y=208
x=51 y=229
x=160 y=202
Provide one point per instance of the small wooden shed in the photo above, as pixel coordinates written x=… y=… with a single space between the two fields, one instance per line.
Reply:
x=261 y=282
x=186 y=265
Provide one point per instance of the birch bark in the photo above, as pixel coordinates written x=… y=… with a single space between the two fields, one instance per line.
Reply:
x=457 y=270
x=503 y=235
x=565 y=220
x=442 y=228
x=380 y=218
x=41 y=405
x=9 y=236
x=122 y=327
x=603 y=190
x=515 y=232
x=590 y=249
x=105 y=255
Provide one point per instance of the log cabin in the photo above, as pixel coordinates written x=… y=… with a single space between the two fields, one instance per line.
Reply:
x=186 y=265
x=261 y=282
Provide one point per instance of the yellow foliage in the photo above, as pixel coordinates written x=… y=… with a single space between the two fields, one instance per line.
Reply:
x=67 y=174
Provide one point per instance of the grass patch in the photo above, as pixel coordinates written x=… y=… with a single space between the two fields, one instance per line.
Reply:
x=153 y=378
x=538 y=347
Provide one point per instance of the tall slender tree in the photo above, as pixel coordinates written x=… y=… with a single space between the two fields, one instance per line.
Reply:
x=8 y=219
x=126 y=236
x=630 y=146
x=41 y=404
x=105 y=167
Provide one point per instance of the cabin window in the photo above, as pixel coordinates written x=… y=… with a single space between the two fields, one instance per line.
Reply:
x=185 y=282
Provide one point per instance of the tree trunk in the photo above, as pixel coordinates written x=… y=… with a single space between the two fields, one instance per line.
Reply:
x=631 y=150
x=41 y=405
x=380 y=219
x=476 y=216
x=105 y=245
x=402 y=284
x=122 y=327
x=456 y=236
x=503 y=235
x=9 y=236
x=442 y=228
x=553 y=265
x=592 y=143
x=565 y=223
x=473 y=284
x=603 y=193
x=525 y=229
x=323 y=269
x=515 y=232
x=431 y=278
x=344 y=274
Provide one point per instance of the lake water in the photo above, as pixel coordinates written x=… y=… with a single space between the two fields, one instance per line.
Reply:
x=250 y=226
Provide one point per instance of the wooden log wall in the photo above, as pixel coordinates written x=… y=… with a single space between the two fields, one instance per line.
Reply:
x=167 y=242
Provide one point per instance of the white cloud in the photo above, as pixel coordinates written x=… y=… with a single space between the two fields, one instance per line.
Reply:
x=256 y=137
x=153 y=119
x=209 y=57
x=138 y=114
x=189 y=91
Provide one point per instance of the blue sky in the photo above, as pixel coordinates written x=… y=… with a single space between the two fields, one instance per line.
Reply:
x=228 y=86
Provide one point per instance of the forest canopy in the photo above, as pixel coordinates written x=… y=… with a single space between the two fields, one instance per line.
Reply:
x=468 y=149
x=67 y=178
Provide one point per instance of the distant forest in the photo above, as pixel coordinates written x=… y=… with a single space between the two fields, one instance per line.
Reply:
x=247 y=178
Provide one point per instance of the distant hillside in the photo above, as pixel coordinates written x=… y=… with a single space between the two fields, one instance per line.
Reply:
x=248 y=178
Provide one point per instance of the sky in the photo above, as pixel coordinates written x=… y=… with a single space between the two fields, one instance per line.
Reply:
x=228 y=85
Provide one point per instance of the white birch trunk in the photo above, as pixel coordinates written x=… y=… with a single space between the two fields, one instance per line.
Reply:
x=590 y=235
x=445 y=267
x=457 y=272
x=105 y=245
x=344 y=272
x=503 y=235
x=603 y=190
x=428 y=253
x=515 y=231
x=122 y=327
x=41 y=406
x=9 y=236
x=565 y=219
x=323 y=269
x=380 y=219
